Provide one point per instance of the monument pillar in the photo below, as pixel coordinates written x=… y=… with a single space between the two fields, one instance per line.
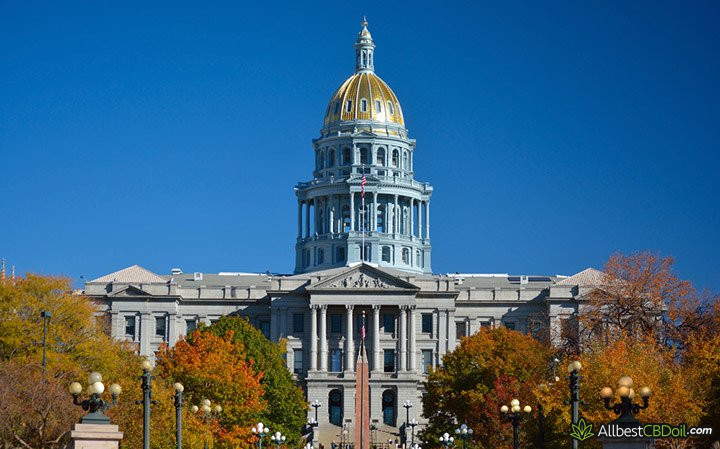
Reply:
x=95 y=436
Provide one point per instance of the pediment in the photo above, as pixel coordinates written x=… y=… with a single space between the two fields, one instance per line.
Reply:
x=363 y=277
x=364 y=133
x=130 y=290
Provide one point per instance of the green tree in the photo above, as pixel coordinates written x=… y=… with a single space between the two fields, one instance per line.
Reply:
x=487 y=370
x=287 y=408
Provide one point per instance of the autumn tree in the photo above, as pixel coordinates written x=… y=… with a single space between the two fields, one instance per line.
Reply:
x=487 y=370
x=217 y=368
x=286 y=406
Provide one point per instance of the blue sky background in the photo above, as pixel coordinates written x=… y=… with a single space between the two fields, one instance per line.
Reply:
x=171 y=134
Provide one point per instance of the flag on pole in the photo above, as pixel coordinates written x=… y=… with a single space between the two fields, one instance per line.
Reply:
x=362 y=327
x=362 y=186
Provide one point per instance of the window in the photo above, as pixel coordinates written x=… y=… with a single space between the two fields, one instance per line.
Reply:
x=347 y=159
x=346 y=218
x=395 y=158
x=510 y=326
x=484 y=324
x=130 y=326
x=385 y=249
x=265 y=328
x=378 y=106
x=389 y=322
x=389 y=361
x=406 y=165
x=381 y=221
x=336 y=407
x=460 y=330
x=190 y=326
x=388 y=407
x=348 y=106
x=391 y=110
x=337 y=107
x=335 y=323
x=335 y=360
x=320 y=256
x=406 y=256
x=298 y=323
x=427 y=356
x=418 y=258
x=340 y=254
x=380 y=158
x=297 y=361
x=427 y=322
x=364 y=156
x=160 y=326
x=332 y=159
x=321 y=160
x=363 y=105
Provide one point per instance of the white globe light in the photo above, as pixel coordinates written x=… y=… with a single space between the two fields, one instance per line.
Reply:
x=94 y=377
x=98 y=388
x=514 y=402
x=527 y=409
x=115 y=389
x=253 y=430
x=146 y=365
x=75 y=388
x=179 y=387
x=504 y=409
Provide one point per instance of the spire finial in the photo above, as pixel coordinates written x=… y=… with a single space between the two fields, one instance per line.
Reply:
x=364 y=22
x=364 y=49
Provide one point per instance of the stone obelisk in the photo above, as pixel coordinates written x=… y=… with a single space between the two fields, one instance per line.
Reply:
x=362 y=395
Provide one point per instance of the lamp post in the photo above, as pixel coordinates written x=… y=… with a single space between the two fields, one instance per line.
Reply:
x=446 y=440
x=413 y=424
x=178 y=413
x=45 y=315
x=94 y=404
x=513 y=415
x=408 y=405
x=146 y=400
x=261 y=432
x=465 y=433
x=316 y=405
x=278 y=439
x=626 y=408
x=574 y=368
x=208 y=413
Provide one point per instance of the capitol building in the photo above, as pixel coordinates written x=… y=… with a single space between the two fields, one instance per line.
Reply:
x=363 y=247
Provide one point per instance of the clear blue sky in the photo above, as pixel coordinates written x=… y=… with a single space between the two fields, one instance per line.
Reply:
x=172 y=134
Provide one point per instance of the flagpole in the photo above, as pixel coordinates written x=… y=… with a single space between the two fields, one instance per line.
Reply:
x=362 y=384
x=362 y=223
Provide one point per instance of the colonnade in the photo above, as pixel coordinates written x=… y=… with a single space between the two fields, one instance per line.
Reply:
x=387 y=213
x=406 y=350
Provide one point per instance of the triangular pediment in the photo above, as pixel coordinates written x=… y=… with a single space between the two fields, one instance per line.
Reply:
x=130 y=290
x=365 y=277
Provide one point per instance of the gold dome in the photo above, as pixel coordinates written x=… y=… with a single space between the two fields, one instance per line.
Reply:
x=364 y=96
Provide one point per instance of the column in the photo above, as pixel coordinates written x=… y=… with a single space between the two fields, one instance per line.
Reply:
x=403 y=339
x=300 y=203
x=420 y=214
x=352 y=211
x=412 y=364
x=349 y=343
x=377 y=352
x=412 y=217
x=307 y=218
x=427 y=219
x=313 y=337
x=145 y=333
x=396 y=217
x=323 y=338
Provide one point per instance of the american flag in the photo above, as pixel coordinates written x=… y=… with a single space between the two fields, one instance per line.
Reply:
x=362 y=186
x=362 y=327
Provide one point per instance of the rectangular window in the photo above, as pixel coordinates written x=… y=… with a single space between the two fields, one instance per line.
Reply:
x=265 y=328
x=389 y=323
x=485 y=324
x=389 y=361
x=130 y=326
x=460 y=330
x=335 y=360
x=427 y=321
x=427 y=356
x=160 y=327
x=298 y=361
x=191 y=325
x=298 y=323
x=335 y=323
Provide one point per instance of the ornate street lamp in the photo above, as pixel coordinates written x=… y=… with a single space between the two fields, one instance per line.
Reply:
x=465 y=433
x=446 y=440
x=261 y=432
x=316 y=405
x=146 y=400
x=278 y=439
x=574 y=368
x=208 y=413
x=413 y=424
x=408 y=405
x=626 y=409
x=513 y=415
x=94 y=404
x=178 y=413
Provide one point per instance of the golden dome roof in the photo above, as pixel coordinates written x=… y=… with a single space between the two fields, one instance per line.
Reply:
x=366 y=97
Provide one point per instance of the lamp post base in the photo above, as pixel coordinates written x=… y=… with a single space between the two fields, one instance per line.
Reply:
x=95 y=436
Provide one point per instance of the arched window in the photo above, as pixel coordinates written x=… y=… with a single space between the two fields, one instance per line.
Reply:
x=378 y=106
x=367 y=255
x=388 y=407
x=364 y=153
x=406 y=256
x=406 y=166
x=348 y=106
x=321 y=221
x=335 y=400
x=390 y=109
x=346 y=218
x=337 y=107
x=347 y=156
x=395 y=158
x=320 y=256
x=321 y=160
x=332 y=159
x=418 y=258
x=381 y=219
x=386 y=254
x=363 y=105
x=380 y=159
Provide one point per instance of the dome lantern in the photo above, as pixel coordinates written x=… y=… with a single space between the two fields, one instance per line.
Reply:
x=364 y=49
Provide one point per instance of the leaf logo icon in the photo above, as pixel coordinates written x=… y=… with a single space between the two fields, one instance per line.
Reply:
x=582 y=430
